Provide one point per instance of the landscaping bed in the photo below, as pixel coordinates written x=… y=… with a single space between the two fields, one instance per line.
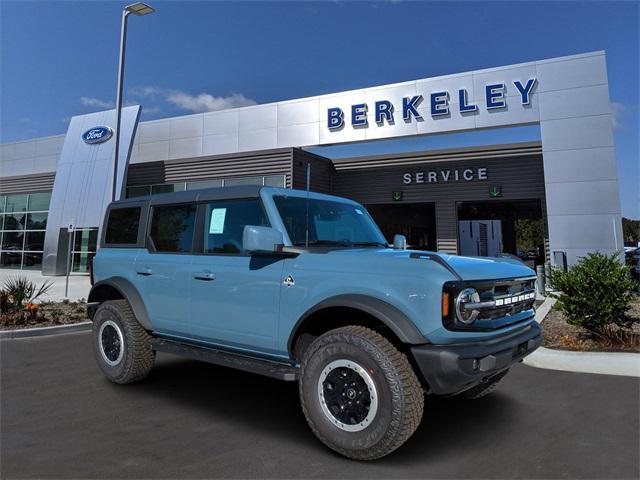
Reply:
x=45 y=314
x=558 y=334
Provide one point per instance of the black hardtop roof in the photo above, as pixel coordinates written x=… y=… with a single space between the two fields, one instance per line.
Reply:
x=188 y=196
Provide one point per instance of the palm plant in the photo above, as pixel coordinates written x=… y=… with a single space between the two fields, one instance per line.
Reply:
x=20 y=291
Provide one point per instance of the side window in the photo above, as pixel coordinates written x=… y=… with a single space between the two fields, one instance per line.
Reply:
x=122 y=226
x=172 y=227
x=225 y=221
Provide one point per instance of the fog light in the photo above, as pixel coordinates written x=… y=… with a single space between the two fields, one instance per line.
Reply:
x=465 y=315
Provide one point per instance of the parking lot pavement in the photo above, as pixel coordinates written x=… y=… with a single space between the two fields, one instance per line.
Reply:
x=62 y=419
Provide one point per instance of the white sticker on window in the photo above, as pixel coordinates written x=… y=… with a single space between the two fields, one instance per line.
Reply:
x=359 y=212
x=216 y=225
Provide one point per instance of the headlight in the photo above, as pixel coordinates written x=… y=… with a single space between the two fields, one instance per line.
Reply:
x=466 y=296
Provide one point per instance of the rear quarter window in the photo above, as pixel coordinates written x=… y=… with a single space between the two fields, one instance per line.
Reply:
x=122 y=226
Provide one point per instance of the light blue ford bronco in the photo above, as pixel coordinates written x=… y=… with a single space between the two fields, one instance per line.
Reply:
x=303 y=287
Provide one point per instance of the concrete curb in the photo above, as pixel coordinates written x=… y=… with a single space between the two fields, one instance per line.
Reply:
x=42 y=331
x=606 y=363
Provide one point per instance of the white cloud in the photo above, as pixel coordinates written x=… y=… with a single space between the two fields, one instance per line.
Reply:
x=617 y=111
x=95 y=103
x=205 y=102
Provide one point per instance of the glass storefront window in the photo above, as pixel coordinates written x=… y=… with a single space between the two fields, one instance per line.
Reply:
x=12 y=240
x=34 y=241
x=39 y=202
x=37 y=221
x=232 y=182
x=204 y=184
x=10 y=259
x=32 y=261
x=275 y=181
x=23 y=221
x=16 y=203
x=141 y=191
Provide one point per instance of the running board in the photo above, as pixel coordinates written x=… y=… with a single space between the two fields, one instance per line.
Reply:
x=227 y=359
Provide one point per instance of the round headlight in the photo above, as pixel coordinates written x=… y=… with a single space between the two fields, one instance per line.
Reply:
x=466 y=296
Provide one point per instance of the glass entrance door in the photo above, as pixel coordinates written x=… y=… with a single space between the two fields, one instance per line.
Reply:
x=85 y=241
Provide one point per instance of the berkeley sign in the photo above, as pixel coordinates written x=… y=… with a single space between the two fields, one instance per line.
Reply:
x=384 y=110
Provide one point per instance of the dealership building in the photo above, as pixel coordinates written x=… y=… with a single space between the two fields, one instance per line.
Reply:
x=474 y=201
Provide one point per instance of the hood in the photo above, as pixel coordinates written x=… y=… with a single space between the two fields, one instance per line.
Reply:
x=468 y=268
x=486 y=268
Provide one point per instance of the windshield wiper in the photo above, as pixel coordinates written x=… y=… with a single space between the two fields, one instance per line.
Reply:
x=369 y=244
x=344 y=243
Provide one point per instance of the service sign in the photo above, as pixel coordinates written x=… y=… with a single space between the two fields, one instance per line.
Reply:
x=97 y=135
x=440 y=104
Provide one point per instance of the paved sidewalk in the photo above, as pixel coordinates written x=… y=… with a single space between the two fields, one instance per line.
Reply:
x=79 y=285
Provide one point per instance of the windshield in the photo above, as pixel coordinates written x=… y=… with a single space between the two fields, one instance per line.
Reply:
x=330 y=222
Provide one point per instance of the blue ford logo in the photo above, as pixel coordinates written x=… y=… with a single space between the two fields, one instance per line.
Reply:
x=97 y=135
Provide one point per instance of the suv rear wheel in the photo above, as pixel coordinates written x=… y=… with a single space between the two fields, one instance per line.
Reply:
x=359 y=394
x=122 y=347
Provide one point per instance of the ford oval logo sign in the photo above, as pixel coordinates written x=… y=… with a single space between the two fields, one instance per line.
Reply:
x=97 y=135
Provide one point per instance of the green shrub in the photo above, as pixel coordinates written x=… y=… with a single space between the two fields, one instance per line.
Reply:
x=596 y=292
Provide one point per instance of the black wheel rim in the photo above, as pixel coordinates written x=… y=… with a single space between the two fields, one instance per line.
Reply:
x=111 y=342
x=348 y=395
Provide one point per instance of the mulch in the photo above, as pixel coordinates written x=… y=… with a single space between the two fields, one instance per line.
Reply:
x=558 y=334
x=49 y=314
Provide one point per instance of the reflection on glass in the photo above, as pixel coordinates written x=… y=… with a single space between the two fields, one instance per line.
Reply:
x=14 y=221
x=16 y=203
x=81 y=261
x=232 y=182
x=39 y=201
x=85 y=240
x=37 y=221
x=10 y=259
x=12 y=240
x=274 y=181
x=3 y=200
x=34 y=241
x=142 y=191
x=32 y=261
x=204 y=184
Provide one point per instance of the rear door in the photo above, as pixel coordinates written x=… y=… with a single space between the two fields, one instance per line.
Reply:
x=163 y=270
x=235 y=297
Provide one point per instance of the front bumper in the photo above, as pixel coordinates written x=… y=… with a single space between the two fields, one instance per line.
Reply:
x=449 y=369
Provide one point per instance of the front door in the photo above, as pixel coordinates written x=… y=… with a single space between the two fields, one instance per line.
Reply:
x=235 y=297
x=163 y=271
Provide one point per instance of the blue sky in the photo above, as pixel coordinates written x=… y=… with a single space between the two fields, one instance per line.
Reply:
x=59 y=58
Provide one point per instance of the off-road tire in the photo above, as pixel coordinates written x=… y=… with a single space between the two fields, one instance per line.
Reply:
x=482 y=389
x=138 y=357
x=400 y=395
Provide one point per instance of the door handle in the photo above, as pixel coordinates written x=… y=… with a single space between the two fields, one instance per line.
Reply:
x=145 y=272
x=207 y=277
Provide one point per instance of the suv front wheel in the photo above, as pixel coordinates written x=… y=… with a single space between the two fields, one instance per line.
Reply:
x=122 y=347
x=359 y=394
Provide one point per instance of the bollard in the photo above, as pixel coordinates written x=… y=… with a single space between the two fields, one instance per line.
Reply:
x=547 y=276
x=540 y=288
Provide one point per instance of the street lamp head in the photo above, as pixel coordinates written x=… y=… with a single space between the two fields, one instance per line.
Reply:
x=139 y=9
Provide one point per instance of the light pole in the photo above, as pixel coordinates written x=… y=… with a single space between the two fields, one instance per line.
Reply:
x=137 y=9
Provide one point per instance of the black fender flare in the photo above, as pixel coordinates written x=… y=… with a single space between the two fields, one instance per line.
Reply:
x=399 y=323
x=128 y=291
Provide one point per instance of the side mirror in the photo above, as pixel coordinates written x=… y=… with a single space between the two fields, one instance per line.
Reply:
x=399 y=242
x=261 y=239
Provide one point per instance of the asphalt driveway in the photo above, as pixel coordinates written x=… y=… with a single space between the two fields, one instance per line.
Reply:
x=61 y=418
